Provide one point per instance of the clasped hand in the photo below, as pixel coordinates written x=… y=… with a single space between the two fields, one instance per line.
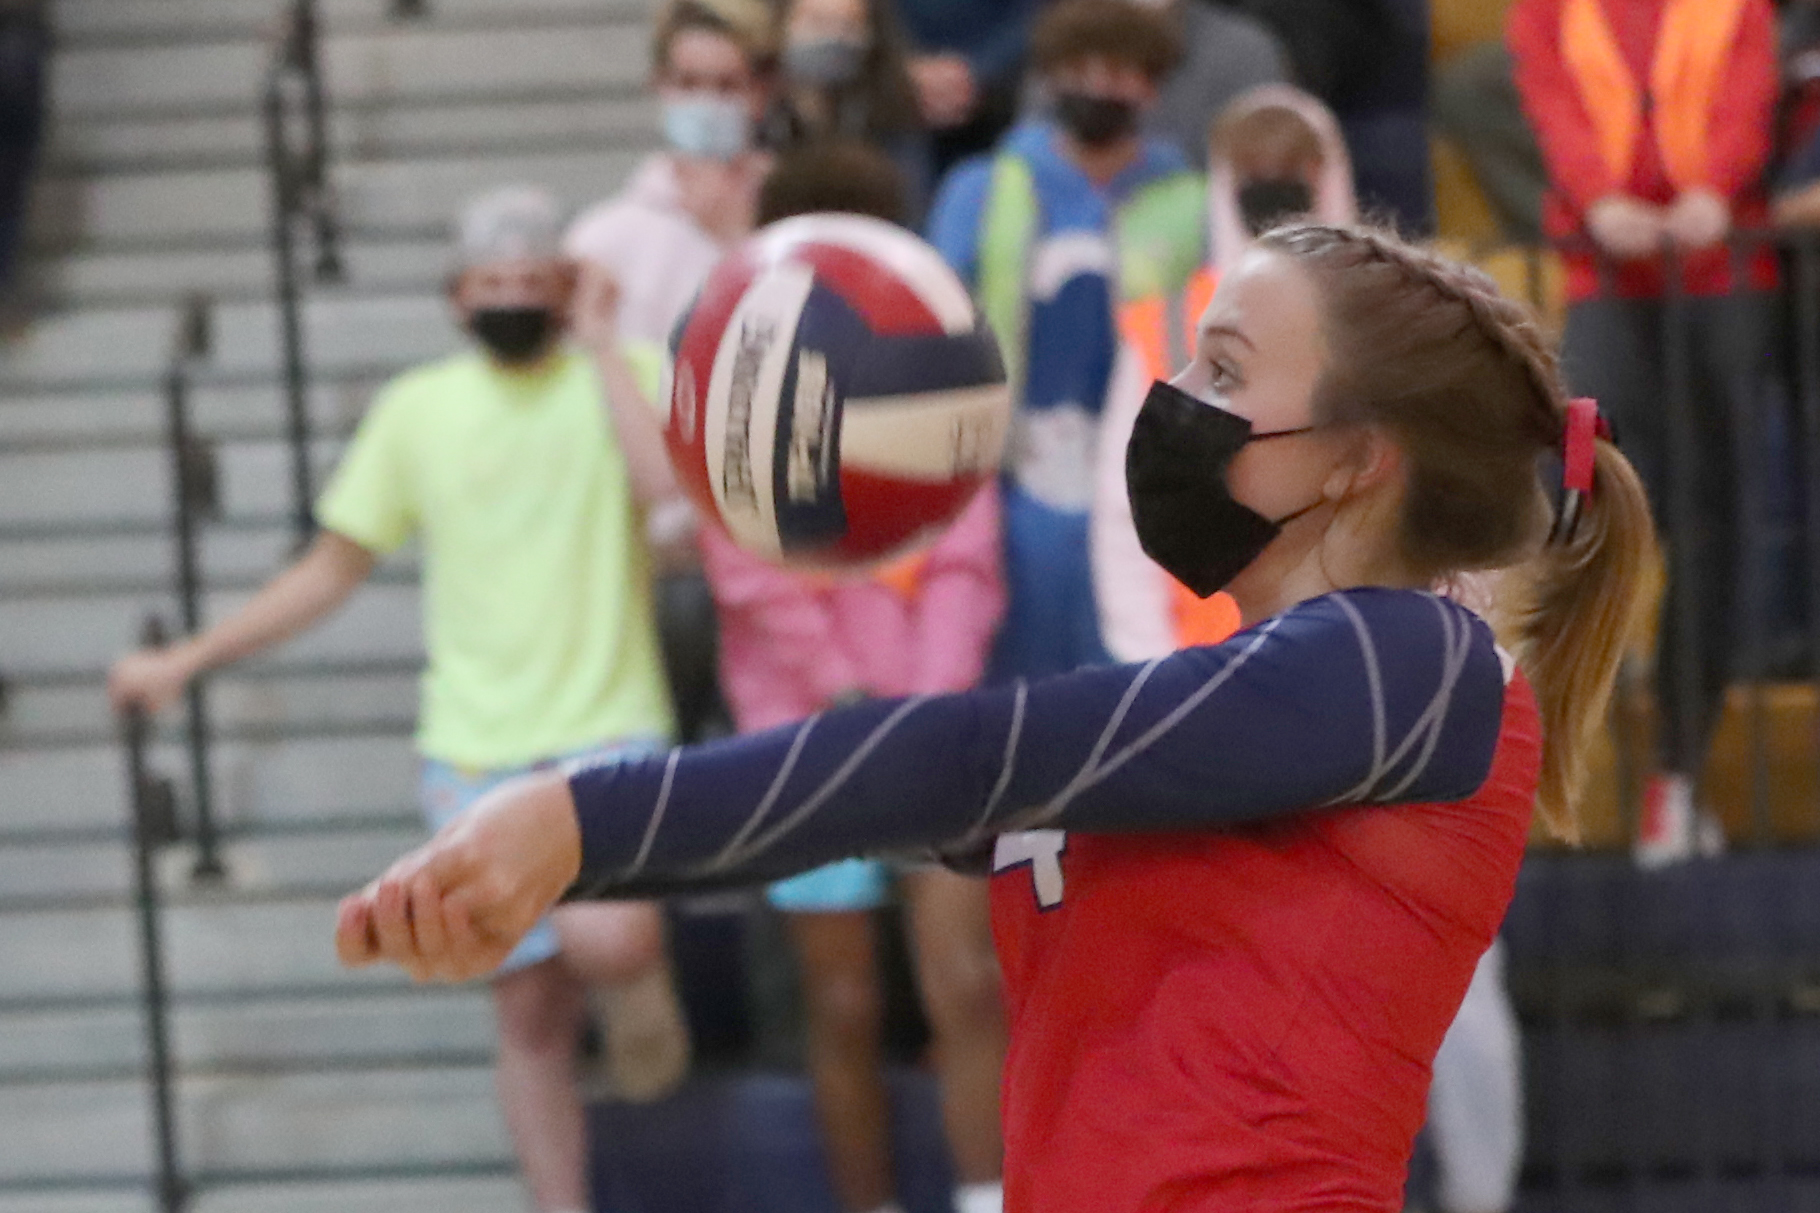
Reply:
x=452 y=909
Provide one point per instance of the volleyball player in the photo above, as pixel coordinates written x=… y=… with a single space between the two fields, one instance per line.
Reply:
x=1239 y=890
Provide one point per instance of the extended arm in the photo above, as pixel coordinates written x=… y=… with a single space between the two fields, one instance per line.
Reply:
x=315 y=586
x=1365 y=696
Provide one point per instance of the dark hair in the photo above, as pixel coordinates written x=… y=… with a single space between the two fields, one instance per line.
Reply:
x=746 y=23
x=1461 y=378
x=883 y=99
x=833 y=175
x=1118 y=30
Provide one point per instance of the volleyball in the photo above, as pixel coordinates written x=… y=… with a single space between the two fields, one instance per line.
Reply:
x=835 y=398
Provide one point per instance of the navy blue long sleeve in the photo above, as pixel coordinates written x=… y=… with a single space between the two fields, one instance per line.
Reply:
x=1379 y=696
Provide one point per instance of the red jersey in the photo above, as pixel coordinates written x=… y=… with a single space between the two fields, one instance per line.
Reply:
x=1246 y=1019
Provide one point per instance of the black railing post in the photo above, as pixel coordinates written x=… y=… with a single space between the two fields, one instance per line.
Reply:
x=153 y=827
x=192 y=494
x=300 y=192
x=290 y=321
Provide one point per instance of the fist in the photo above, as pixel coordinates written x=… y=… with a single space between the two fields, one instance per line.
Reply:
x=150 y=679
x=946 y=91
x=1626 y=228
x=455 y=907
x=1700 y=219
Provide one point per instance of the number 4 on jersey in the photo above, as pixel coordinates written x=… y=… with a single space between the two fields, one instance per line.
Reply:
x=1042 y=851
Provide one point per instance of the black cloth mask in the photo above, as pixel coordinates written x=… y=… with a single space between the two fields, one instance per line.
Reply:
x=1096 y=121
x=1175 y=472
x=1265 y=203
x=514 y=335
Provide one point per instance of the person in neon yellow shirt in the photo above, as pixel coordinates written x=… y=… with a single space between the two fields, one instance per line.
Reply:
x=533 y=473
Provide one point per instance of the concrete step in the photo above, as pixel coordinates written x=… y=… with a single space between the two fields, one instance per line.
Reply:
x=383 y=198
x=423 y=1024
x=272 y=1123
x=133 y=1198
x=345 y=335
x=157 y=275
x=370 y=130
x=43 y=873
x=86 y=22
x=57 y=418
x=110 y=416
x=137 y=556
x=84 y=632
x=130 y=486
x=406 y=62
x=62 y=714
x=211 y=948
x=451 y=1194
x=290 y=782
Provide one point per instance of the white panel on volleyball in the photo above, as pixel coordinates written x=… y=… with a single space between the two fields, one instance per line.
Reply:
x=933 y=436
x=740 y=416
x=898 y=250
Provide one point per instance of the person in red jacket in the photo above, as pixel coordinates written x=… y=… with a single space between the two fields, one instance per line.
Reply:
x=1656 y=120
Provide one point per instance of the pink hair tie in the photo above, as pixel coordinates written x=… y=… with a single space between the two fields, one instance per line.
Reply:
x=1579 y=454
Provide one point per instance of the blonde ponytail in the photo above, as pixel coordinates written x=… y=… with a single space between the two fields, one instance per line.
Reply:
x=1570 y=613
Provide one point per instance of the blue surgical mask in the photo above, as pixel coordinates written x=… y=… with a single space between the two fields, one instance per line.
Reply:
x=707 y=124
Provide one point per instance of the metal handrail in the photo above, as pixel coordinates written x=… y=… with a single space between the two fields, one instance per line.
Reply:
x=154 y=826
x=300 y=195
x=193 y=496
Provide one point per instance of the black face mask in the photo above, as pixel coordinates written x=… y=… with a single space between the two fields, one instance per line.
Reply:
x=1175 y=472
x=1095 y=121
x=1264 y=204
x=513 y=335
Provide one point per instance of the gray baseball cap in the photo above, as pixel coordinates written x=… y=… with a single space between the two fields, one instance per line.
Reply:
x=512 y=223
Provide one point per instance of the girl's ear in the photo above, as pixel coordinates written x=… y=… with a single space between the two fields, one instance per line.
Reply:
x=1375 y=461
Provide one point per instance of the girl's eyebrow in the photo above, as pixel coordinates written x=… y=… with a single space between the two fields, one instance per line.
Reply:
x=1227 y=330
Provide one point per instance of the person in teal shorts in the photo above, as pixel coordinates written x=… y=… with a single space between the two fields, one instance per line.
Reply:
x=531 y=480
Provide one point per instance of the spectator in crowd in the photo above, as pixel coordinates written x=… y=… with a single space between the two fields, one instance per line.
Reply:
x=685 y=206
x=968 y=67
x=1071 y=205
x=1475 y=1101
x=526 y=469
x=794 y=644
x=1655 y=119
x=1277 y=154
x=24 y=46
x=659 y=236
x=846 y=75
x=1225 y=52
x=1368 y=61
x=1476 y=105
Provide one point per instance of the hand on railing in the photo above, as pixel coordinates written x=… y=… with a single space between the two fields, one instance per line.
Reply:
x=154 y=797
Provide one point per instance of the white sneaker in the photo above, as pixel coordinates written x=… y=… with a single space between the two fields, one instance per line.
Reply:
x=1674 y=828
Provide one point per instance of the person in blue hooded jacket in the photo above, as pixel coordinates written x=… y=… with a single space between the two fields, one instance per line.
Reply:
x=1074 y=207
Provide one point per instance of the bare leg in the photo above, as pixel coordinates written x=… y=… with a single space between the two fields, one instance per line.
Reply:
x=846 y=1062
x=610 y=943
x=539 y=1010
x=616 y=951
x=952 y=934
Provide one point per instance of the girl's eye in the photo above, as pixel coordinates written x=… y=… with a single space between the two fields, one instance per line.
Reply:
x=1221 y=376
